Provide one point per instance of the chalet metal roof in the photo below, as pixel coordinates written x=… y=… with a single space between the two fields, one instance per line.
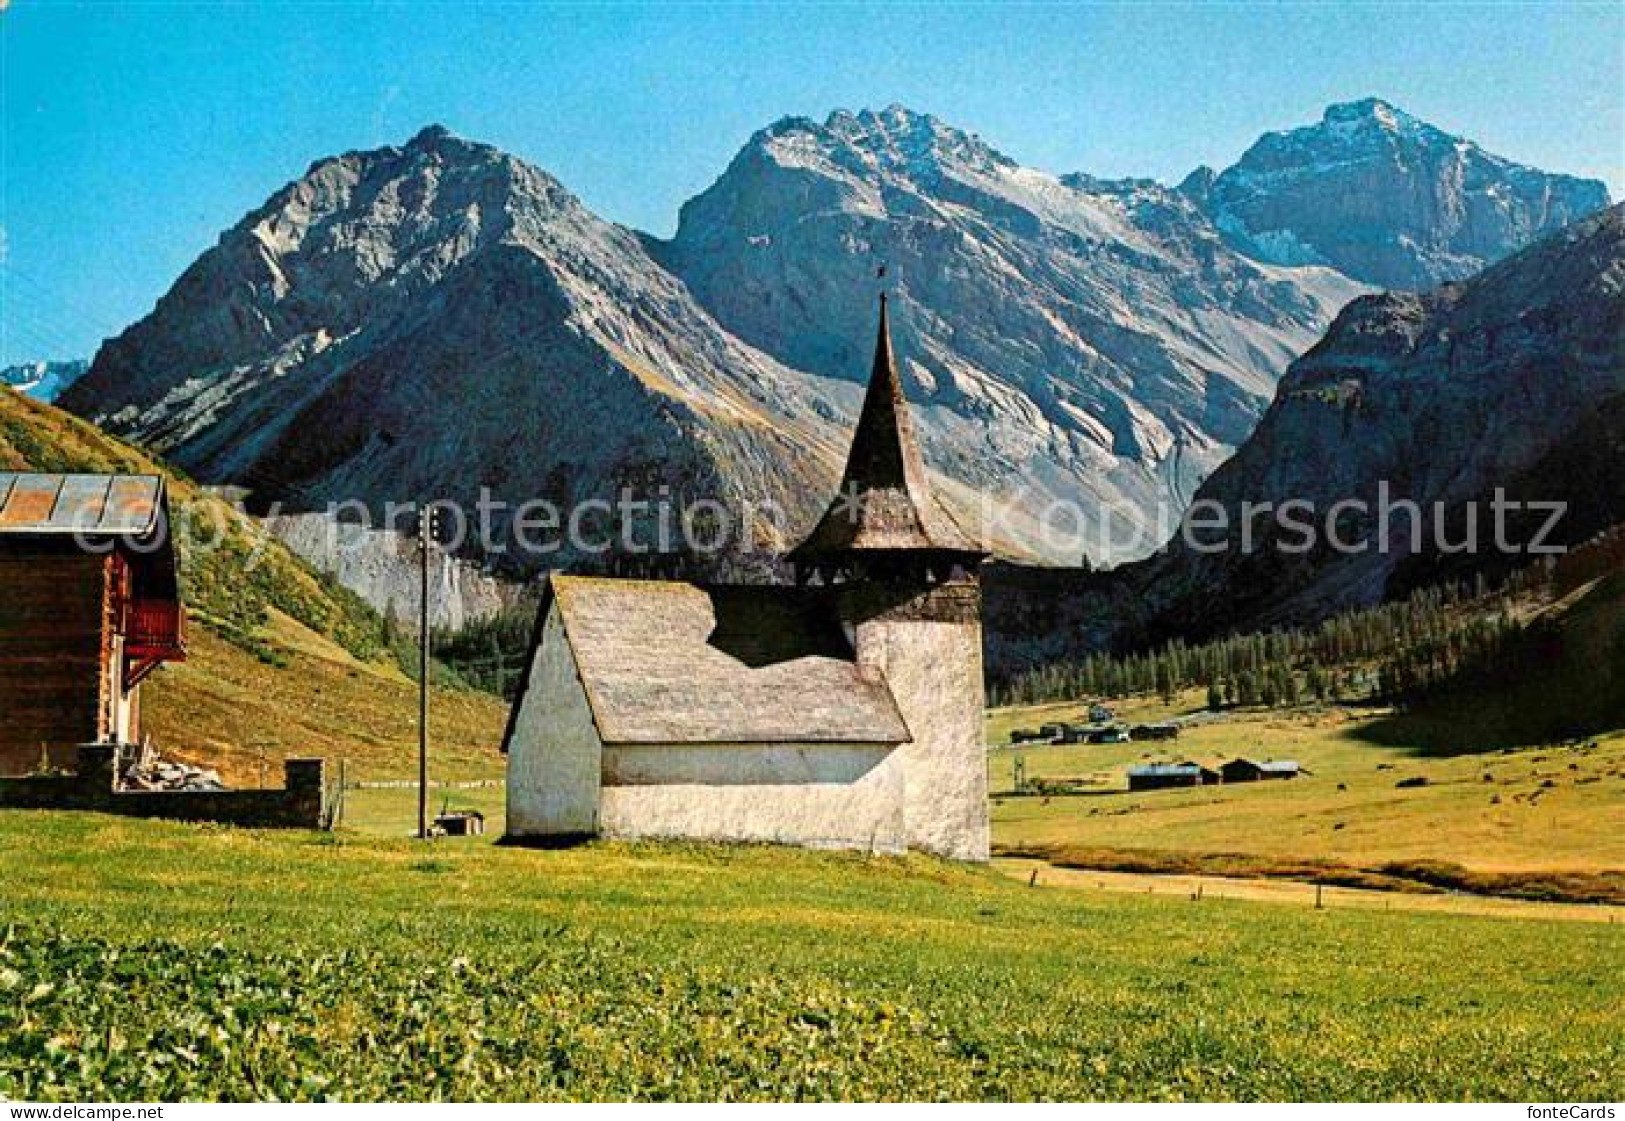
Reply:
x=88 y=505
x=884 y=502
x=1278 y=766
x=670 y=662
x=1151 y=769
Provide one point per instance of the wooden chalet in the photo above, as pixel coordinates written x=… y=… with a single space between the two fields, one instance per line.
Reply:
x=1247 y=770
x=89 y=606
x=1162 y=776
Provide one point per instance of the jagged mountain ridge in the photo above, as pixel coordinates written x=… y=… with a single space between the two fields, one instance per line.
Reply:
x=439 y=317
x=1093 y=343
x=1386 y=198
x=431 y=319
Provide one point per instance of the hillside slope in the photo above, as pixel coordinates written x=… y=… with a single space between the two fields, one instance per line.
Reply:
x=1561 y=678
x=1512 y=381
x=282 y=662
x=1440 y=398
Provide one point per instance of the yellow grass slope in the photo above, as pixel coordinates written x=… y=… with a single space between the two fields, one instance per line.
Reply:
x=1461 y=794
x=227 y=708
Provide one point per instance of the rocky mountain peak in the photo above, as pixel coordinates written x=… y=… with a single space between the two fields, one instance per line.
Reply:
x=44 y=381
x=1035 y=375
x=441 y=316
x=895 y=141
x=431 y=135
x=436 y=146
x=1375 y=112
x=1198 y=185
x=1388 y=198
x=1369 y=129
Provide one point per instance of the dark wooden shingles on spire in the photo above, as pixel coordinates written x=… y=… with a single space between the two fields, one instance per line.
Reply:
x=884 y=503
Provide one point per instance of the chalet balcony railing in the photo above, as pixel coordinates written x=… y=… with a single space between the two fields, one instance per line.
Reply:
x=155 y=630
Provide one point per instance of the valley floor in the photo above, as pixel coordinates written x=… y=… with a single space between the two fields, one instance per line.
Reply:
x=145 y=960
x=1544 y=821
x=1300 y=893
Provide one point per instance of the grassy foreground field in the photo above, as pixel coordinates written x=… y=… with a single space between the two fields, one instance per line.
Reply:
x=143 y=960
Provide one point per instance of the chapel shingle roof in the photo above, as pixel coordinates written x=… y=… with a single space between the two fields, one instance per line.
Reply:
x=673 y=662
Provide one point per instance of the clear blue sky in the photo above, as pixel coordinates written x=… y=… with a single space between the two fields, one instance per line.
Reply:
x=134 y=133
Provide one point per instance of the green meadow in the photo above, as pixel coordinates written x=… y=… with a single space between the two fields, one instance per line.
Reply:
x=1543 y=821
x=145 y=960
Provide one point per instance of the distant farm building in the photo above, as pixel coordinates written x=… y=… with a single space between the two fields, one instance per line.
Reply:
x=844 y=712
x=1108 y=735
x=1161 y=776
x=1155 y=732
x=460 y=823
x=1246 y=770
x=89 y=606
x=1099 y=714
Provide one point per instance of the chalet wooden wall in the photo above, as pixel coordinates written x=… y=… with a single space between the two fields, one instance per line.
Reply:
x=54 y=637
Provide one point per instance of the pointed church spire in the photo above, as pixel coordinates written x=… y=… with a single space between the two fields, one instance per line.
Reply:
x=884 y=451
x=884 y=503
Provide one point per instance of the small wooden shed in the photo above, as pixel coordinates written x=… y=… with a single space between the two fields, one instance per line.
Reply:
x=89 y=606
x=1162 y=776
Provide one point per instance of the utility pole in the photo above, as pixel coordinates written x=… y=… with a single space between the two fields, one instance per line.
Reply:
x=428 y=522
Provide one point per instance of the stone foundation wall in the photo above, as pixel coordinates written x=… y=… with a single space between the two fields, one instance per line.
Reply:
x=301 y=804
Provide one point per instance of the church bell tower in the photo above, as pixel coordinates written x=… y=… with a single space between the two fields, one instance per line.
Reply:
x=904 y=577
